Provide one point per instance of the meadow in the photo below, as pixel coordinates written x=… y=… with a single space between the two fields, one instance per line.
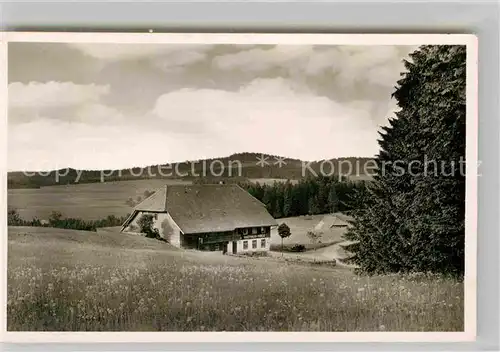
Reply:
x=87 y=201
x=300 y=225
x=61 y=280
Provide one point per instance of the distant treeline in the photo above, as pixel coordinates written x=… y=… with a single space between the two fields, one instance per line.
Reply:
x=238 y=166
x=318 y=195
x=57 y=220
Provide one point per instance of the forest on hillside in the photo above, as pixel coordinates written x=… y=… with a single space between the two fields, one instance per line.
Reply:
x=241 y=166
x=315 y=195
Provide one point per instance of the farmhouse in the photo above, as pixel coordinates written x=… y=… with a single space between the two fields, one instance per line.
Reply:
x=332 y=221
x=207 y=217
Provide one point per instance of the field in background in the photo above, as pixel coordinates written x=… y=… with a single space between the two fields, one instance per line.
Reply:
x=74 y=280
x=88 y=201
x=271 y=181
x=300 y=225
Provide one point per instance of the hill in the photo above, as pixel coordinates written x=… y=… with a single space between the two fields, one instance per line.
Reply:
x=240 y=166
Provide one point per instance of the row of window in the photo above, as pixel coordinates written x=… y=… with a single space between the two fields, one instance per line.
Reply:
x=254 y=244
x=254 y=231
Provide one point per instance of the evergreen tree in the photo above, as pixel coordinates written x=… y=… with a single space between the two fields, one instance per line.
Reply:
x=269 y=199
x=333 y=200
x=411 y=218
x=279 y=199
x=322 y=196
x=287 y=200
x=313 y=205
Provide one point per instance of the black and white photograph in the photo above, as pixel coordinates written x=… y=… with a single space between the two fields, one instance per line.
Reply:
x=290 y=184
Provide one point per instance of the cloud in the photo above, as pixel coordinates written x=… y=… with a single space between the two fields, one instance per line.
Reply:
x=53 y=94
x=268 y=115
x=379 y=65
x=259 y=59
x=64 y=101
x=308 y=102
x=274 y=116
x=47 y=144
x=343 y=73
x=164 y=56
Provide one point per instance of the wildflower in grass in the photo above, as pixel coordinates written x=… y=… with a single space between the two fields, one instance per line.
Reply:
x=236 y=294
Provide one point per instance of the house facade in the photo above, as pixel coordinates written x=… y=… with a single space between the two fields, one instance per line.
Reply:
x=207 y=217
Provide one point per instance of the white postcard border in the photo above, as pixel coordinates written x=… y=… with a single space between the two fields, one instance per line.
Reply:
x=470 y=281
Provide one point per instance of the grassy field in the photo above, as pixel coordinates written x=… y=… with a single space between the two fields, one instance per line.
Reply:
x=74 y=280
x=89 y=201
x=271 y=181
x=300 y=225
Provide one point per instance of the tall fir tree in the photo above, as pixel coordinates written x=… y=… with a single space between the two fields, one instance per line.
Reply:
x=279 y=199
x=313 y=205
x=411 y=217
x=333 y=199
x=288 y=200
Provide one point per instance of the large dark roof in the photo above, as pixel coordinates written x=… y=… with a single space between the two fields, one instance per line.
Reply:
x=208 y=208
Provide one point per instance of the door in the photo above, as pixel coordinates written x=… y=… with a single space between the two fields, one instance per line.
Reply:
x=235 y=247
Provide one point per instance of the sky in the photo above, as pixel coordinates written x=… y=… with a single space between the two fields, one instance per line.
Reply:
x=105 y=106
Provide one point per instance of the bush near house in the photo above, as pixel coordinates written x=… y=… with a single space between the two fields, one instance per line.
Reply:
x=146 y=223
x=298 y=248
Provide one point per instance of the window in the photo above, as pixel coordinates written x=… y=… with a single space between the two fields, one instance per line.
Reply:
x=245 y=244
x=156 y=216
x=262 y=230
x=245 y=231
x=263 y=243
x=254 y=244
x=254 y=230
